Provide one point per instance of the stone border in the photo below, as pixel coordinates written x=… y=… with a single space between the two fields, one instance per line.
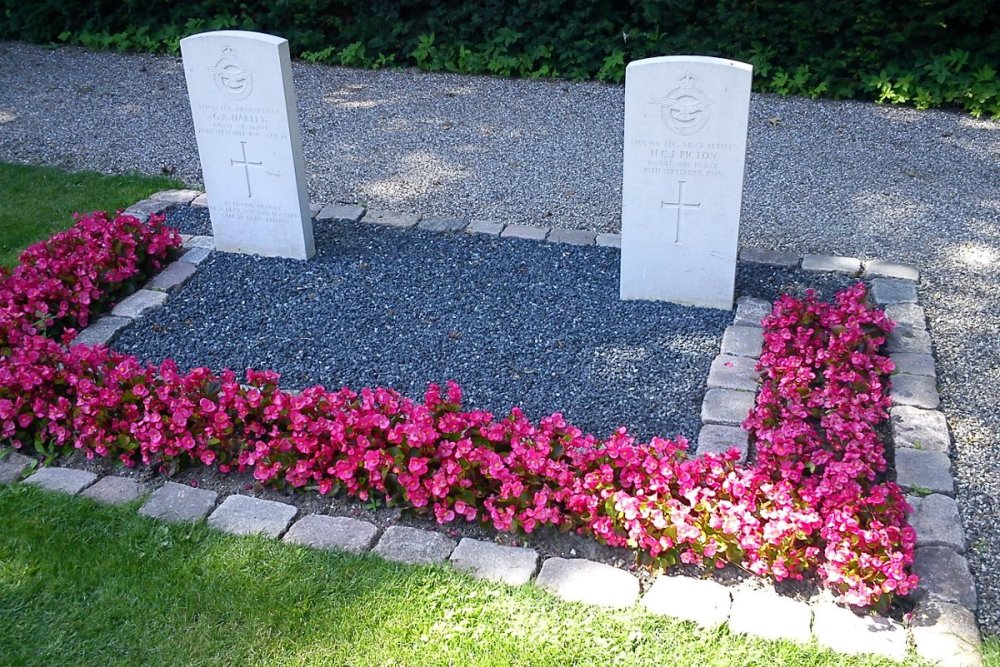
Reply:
x=942 y=627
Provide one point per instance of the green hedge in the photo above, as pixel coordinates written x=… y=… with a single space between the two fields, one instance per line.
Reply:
x=920 y=52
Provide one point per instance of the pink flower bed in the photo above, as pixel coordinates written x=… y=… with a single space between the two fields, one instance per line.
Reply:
x=816 y=500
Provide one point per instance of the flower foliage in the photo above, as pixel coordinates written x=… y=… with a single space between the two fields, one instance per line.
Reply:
x=815 y=500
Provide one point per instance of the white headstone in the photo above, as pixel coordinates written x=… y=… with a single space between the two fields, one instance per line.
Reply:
x=244 y=108
x=685 y=145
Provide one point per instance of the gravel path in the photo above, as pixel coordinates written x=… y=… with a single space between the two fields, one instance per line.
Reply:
x=829 y=177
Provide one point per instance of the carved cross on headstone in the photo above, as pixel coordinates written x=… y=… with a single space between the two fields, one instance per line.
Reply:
x=246 y=164
x=678 y=206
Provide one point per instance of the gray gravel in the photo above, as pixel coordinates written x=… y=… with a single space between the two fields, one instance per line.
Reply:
x=844 y=178
x=515 y=322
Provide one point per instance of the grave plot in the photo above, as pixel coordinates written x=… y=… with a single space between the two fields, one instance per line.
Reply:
x=516 y=323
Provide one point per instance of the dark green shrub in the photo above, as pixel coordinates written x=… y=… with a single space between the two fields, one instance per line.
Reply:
x=919 y=52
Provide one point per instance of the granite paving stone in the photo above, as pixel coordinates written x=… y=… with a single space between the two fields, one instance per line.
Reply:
x=937 y=521
x=877 y=268
x=314 y=209
x=772 y=257
x=572 y=236
x=12 y=465
x=924 y=470
x=743 y=341
x=332 y=532
x=726 y=406
x=495 y=562
x=529 y=232
x=609 y=240
x=114 y=490
x=340 y=213
x=147 y=207
x=910 y=363
x=946 y=634
x=907 y=315
x=485 y=227
x=391 y=218
x=750 y=311
x=414 y=546
x=702 y=601
x=844 y=631
x=101 y=332
x=945 y=576
x=768 y=615
x=196 y=255
x=173 y=276
x=918 y=391
x=851 y=265
x=580 y=580
x=176 y=196
x=200 y=241
x=245 y=515
x=63 y=480
x=893 y=290
x=917 y=428
x=178 y=502
x=909 y=339
x=134 y=306
x=717 y=438
x=440 y=224
x=732 y=372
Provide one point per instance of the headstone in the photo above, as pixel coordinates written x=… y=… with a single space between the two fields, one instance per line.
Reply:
x=245 y=119
x=685 y=146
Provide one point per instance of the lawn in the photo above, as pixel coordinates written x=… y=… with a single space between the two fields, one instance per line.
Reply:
x=37 y=202
x=82 y=584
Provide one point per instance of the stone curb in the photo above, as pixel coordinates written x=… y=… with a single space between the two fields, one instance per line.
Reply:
x=413 y=546
x=719 y=438
x=113 y=490
x=178 y=503
x=102 y=332
x=347 y=212
x=495 y=562
x=246 y=515
x=834 y=263
x=63 y=480
x=943 y=626
x=526 y=232
x=580 y=580
x=320 y=531
x=702 y=601
x=768 y=615
x=13 y=464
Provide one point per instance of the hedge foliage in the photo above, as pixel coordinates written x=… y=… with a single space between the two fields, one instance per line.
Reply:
x=926 y=53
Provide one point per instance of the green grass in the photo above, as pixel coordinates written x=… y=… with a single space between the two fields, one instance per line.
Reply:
x=36 y=202
x=82 y=584
x=991 y=651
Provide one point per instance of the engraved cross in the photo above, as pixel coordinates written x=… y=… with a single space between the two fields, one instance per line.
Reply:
x=246 y=164
x=678 y=206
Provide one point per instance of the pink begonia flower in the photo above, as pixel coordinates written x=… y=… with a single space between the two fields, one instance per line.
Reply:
x=809 y=502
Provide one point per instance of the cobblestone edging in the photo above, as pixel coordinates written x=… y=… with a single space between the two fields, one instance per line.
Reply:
x=942 y=627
